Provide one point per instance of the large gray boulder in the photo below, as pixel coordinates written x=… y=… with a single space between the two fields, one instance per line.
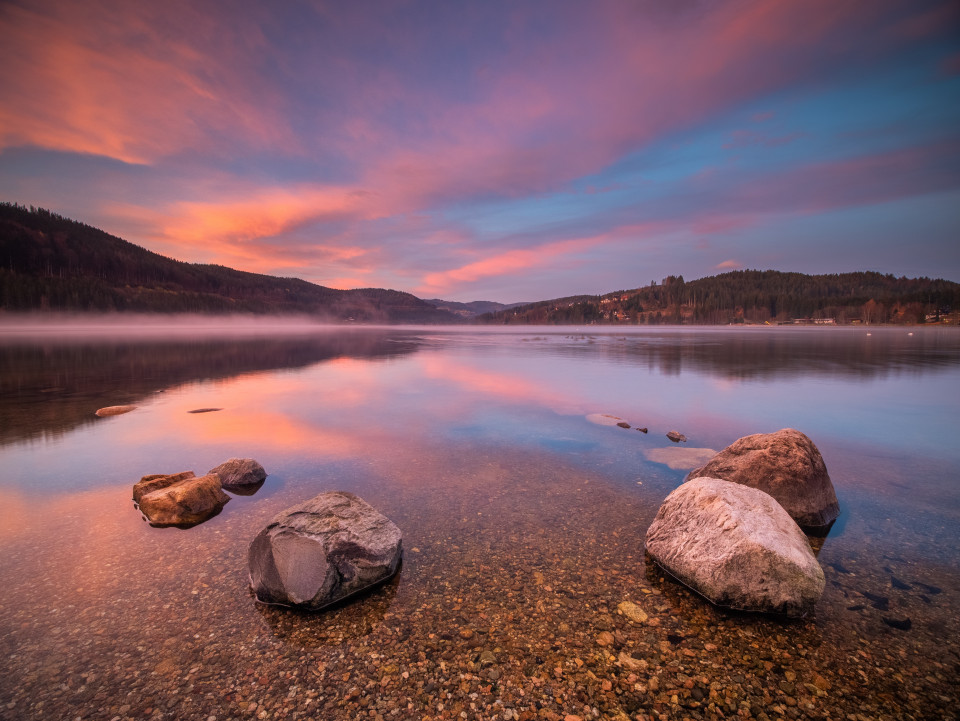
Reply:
x=322 y=551
x=180 y=499
x=239 y=472
x=785 y=464
x=736 y=546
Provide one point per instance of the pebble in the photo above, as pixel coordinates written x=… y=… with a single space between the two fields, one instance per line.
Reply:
x=632 y=611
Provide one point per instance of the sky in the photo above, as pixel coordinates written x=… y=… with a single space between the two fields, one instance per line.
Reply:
x=498 y=150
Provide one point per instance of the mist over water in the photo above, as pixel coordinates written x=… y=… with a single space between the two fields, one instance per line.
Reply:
x=68 y=326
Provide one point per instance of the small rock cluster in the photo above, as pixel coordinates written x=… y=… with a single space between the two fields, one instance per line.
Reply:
x=731 y=532
x=184 y=500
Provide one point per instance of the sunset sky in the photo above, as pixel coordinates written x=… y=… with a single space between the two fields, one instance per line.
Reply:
x=494 y=150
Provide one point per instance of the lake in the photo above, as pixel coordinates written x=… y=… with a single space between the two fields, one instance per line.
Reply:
x=523 y=515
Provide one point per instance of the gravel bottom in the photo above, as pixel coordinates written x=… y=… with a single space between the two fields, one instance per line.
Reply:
x=509 y=605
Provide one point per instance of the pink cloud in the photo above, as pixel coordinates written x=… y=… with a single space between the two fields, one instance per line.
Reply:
x=729 y=265
x=514 y=137
x=117 y=81
x=562 y=96
x=510 y=262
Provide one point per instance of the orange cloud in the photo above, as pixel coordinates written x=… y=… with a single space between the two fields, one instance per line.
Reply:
x=507 y=263
x=118 y=81
x=236 y=231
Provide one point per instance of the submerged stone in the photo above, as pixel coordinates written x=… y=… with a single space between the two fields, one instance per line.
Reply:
x=239 y=472
x=680 y=457
x=632 y=611
x=115 y=410
x=323 y=551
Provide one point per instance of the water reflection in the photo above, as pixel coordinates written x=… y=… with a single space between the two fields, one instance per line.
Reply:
x=248 y=489
x=766 y=353
x=51 y=386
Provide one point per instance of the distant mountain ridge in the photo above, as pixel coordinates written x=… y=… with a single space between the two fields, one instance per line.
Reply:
x=48 y=262
x=473 y=308
x=52 y=263
x=754 y=296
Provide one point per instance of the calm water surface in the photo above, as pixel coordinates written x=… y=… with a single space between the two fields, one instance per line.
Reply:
x=523 y=522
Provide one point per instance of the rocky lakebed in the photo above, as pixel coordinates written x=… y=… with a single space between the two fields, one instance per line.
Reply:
x=532 y=597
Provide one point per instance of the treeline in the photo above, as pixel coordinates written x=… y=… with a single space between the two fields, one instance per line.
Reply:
x=48 y=262
x=752 y=296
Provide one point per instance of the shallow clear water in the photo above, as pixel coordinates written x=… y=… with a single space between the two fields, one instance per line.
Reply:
x=480 y=445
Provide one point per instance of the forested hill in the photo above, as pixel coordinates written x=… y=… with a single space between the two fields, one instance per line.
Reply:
x=48 y=262
x=752 y=296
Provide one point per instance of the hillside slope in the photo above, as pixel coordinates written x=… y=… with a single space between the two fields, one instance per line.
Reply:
x=471 y=309
x=752 y=296
x=48 y=262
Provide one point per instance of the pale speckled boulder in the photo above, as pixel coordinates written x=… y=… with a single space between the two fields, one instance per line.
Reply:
x=785 y=464
x=180 y=500
x=737 y=547
x=324 y=550
x=239 y=472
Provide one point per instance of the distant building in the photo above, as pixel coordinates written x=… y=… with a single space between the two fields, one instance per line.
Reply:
x=814 y=321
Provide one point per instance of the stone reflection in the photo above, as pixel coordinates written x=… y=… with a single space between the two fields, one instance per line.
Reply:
x=247 y=490
x=351 y=619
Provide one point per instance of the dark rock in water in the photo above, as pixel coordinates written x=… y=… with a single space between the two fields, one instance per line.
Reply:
x=785 y=464
x=185 y=502
x=876 y=600
x=858 y=607
x=623 y=424
x=148 y=484
x=204 y=410
x=323 y=551
x=115 y=410
x=239 y=472
x=676 y=436
x=736 y=546
x=897 y=583
x=642 y=430
x=902 y=623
